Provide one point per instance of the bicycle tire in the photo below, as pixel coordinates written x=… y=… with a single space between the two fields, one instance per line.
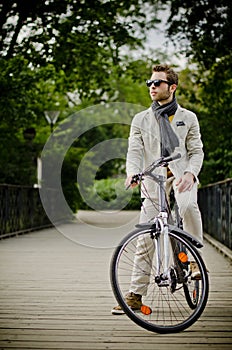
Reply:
x=171 y=310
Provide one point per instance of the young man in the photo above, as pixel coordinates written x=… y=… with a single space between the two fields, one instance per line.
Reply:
x=161 y=130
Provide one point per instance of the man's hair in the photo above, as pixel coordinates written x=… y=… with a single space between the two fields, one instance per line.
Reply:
x=172 y=76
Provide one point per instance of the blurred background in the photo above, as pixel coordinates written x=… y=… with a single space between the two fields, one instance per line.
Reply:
x=60 y=56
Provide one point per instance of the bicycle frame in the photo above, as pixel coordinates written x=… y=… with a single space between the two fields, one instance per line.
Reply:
x=162 y=222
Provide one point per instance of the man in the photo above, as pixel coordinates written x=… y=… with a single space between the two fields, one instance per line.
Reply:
x=162 y=129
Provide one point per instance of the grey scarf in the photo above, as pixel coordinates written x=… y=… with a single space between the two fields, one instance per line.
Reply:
x=169 y=140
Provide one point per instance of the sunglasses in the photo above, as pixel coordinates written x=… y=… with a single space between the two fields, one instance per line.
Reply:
x=157 y=82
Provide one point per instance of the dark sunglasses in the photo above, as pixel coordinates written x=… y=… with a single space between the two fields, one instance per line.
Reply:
x=157 y=82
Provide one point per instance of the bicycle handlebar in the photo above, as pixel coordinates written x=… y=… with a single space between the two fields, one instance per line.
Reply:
x=171 y=158
x=163 y=161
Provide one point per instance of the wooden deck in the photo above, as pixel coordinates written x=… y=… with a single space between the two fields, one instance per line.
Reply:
x=56 y=294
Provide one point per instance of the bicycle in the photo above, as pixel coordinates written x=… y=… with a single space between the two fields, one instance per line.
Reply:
x=174 y=300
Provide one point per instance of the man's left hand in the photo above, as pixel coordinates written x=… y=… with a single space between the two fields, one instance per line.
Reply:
x=185 y=183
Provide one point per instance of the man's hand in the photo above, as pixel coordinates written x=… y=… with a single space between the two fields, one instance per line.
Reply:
x=185 y=183
x=129 y=184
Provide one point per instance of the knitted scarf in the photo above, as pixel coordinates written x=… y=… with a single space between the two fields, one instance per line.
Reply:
x=169 y=140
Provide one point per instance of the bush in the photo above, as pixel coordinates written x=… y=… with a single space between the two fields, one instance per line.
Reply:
x=110 y=194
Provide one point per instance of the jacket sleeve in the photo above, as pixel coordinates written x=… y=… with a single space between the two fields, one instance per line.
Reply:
x=194 y=148
x=134 y=160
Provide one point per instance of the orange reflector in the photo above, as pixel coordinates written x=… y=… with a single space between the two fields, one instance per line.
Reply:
x=194 y=294
x=146 y=310
x=183 y=257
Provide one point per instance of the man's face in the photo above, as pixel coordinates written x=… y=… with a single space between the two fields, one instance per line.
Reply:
x=163 y=93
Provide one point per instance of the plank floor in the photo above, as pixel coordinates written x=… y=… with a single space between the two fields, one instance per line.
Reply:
x=55 y=293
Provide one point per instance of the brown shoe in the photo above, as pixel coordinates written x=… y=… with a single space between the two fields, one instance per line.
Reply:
x=195 y=272
x=133 y=300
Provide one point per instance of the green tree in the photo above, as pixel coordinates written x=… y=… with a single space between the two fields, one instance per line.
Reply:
x=216 y=121
x=209 y=96
x=84 y=39
x=57 y=53
x=202 y=28
x=25 y=94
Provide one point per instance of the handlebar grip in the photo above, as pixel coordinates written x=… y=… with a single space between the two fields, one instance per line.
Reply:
x=171 y=158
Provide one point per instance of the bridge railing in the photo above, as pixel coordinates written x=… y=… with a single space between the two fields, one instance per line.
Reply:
x=215 y=205
x=20 y=210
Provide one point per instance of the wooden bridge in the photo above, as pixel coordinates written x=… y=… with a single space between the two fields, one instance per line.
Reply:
x=55 y=293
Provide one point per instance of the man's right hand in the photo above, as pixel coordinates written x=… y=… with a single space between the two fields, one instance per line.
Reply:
x=129 y=184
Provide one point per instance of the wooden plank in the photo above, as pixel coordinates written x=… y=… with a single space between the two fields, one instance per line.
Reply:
x=111 y=345
x=55 y=294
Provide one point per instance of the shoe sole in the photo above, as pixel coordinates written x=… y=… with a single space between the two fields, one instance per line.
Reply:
x=117 y=312
x=121 y=312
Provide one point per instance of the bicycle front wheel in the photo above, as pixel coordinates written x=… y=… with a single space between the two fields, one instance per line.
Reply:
x=167 y=307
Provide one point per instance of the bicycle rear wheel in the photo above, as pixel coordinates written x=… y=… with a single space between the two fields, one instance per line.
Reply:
x=167 y=307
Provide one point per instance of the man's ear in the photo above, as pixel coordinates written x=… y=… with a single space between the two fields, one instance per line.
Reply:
x=173 y=88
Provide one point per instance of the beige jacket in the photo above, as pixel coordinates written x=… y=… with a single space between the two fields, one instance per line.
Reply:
x=144 y=145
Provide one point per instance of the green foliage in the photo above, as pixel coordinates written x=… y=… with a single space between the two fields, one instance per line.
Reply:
x=203 y=28
x=187 y=91
x=216 y=121
x=73 y=56
x=18 y=158
x=17 y=81
x=82 y=38
x=110 y=194
x=54 y=55
x=209 y=95
x=217 y=166
x=25 y=94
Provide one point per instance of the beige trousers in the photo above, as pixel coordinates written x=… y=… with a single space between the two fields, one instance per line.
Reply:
x=192 y=223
